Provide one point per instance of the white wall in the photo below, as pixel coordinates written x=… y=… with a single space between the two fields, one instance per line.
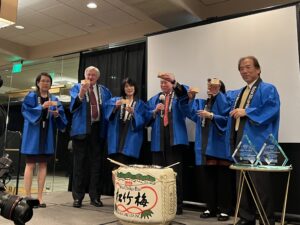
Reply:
x=213 y=50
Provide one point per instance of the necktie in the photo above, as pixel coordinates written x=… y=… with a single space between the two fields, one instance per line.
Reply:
x=242 y=103
x=93 y=104
x=166 y=116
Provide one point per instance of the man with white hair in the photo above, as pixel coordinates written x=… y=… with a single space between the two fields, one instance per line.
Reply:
x=88 y=132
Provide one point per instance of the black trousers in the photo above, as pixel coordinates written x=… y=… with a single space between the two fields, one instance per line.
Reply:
x=87 y=165
x=170 y=155
x=219 y=188
x=262 y=182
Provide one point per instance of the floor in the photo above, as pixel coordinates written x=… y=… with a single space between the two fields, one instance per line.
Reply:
x=52 y=184
x=59 y=209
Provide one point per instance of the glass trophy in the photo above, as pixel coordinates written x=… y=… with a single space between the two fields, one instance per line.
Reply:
x=271 y=154
x=245 y=153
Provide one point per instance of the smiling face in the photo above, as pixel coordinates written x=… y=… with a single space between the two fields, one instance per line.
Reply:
x=92 y=75
x=166 y=86
x=129 y=90
x=248 y=70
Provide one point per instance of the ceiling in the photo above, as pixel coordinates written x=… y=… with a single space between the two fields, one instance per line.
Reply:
x=58 y=27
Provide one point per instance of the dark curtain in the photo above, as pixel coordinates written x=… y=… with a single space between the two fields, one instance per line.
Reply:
x=15 y=123
x=116 y=64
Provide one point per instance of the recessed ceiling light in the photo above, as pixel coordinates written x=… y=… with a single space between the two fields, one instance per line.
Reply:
x=19 y=27
x=91 y=5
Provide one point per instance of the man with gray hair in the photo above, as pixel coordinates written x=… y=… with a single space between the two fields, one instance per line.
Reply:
x=88 y=133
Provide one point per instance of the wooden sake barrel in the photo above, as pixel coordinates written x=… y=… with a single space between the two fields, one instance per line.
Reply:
x=145 y=195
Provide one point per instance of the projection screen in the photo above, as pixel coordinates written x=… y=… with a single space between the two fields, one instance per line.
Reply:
x=212 y=50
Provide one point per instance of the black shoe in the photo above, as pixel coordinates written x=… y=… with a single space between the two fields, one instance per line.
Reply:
x=77 y=203
x=96 y=202
x=207 y=214
x=179 y=211
x=245 y=222
x=223 y=217
x=42 y=205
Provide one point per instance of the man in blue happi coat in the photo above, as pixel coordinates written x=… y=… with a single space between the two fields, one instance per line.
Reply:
x=88 y=132
x=255 y=113
x=169 y=137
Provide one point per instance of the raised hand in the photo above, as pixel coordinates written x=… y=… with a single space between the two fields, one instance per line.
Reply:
x=83 y=89
x=167 y=76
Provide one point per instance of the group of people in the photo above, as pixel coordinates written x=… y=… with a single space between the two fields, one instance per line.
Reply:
x=221 y=121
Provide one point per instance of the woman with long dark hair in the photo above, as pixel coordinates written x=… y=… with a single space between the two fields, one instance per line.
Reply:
x=43 y=114
x=210 y=116
x=126 y=116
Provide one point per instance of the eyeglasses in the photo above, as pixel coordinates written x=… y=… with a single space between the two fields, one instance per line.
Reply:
x=45 y=81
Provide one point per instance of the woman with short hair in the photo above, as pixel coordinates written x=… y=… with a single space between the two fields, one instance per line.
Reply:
x=43 y=114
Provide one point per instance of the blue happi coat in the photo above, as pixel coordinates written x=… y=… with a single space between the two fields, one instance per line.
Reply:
x=262 y=114
x=32 y=113
x=134 y=135
x=217 y=128
x=178 y=123
x=81 y=113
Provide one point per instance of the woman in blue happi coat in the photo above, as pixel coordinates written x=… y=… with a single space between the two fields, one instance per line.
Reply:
x=210 y=116
x=43 y=114
x=126 y=116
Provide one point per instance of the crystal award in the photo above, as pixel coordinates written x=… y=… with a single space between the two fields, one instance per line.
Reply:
x=271 y=154
x=245 y=152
